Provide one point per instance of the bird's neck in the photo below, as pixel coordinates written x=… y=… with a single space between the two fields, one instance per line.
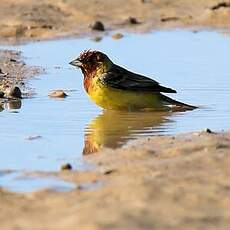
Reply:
x=91 y=74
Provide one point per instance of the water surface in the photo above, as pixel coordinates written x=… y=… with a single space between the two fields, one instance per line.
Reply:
x=195 y=64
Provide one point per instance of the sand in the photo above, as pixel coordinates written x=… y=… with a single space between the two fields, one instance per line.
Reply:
x=24 y=20
x=167 y=182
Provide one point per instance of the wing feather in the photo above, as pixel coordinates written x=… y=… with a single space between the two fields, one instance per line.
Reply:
x=120 y=78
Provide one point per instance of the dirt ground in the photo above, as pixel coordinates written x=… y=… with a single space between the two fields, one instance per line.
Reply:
x=168 y=182
x=14 y=76
x=163 y=182
x=22 y=20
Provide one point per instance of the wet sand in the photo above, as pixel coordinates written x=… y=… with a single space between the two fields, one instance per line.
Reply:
x=34 y=20
x=168 y=182
x=14 y=74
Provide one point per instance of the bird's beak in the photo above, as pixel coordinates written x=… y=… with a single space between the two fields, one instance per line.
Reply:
x=76 y=63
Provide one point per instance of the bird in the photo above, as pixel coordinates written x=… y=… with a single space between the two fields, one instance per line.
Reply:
x=113 y=87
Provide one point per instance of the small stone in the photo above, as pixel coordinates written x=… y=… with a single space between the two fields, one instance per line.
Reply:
x=13 y=60
x=58 y=94
x=221 y=5
x=97 y=25
x=110 y=171
x=66 y=166
x=13 y=92
x=2 y=94
x=208 y=130
x=117 y=36
x=133 y=21
x=47 y=26
x=167 y=19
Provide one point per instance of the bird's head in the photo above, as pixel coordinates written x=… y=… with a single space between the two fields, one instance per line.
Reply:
x=91 y=61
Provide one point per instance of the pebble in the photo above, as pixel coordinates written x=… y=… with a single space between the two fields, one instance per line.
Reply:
x=133 y=21
x=117 y=36
x=58 y=94
x=2 y=94
x=98 y=25
x=208 y=130
x=13 y=92
x=66 y=166
x=110 y=171
x=167 y=19
x=221 y=5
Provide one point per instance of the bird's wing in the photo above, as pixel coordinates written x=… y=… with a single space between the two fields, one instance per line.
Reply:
x=120 y=78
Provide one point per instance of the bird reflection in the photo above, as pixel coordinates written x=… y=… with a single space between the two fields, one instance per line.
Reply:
x=112 y=129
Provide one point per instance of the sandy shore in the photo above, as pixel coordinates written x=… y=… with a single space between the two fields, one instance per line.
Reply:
x=34 y=20
x=14 y=76
x=169 y=182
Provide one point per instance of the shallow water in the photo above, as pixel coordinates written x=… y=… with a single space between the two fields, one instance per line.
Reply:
x=17 y=182
x=195 y=64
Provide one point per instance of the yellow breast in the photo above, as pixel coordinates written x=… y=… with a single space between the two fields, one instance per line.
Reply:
x=117 y=99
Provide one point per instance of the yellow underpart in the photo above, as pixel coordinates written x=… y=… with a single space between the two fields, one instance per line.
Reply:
x=117 y=99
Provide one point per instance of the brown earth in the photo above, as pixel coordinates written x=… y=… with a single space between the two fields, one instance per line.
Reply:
x=22 y=20
x=14 y=75
x=168 y=182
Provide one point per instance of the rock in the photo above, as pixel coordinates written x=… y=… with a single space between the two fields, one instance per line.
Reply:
x=109 y=171
x=2 y=75
x=167 y=19
x=208 y=130
x=2 y=94
x=58 y=94
x=97 y=25
x=13 y=60
x=133 y=21
x=46 y=26
x=117 y=36
x=13 y=92
x=66 y=166
x=221 y=5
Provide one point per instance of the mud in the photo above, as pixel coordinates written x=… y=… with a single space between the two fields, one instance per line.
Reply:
x=34 y=20
x=14 y=76
x=170 y=182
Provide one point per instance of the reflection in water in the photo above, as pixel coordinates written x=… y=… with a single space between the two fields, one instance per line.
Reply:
x=11 y=104
x=113 y=128
x=1 y=106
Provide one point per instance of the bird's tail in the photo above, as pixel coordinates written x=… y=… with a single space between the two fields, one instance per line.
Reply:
x=177 y=104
